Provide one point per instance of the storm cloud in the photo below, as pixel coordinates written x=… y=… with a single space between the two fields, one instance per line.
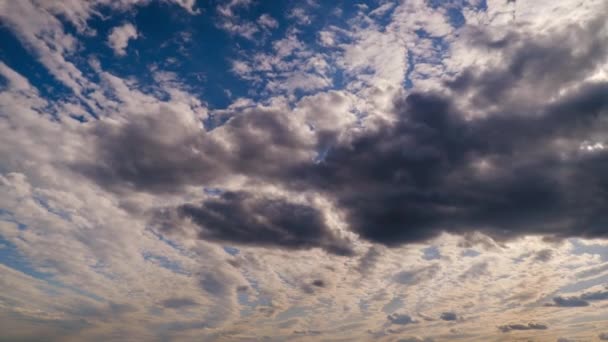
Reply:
x=525 y=166
x=243 y=218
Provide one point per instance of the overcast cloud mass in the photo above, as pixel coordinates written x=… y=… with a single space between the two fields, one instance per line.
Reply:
x=248 y=170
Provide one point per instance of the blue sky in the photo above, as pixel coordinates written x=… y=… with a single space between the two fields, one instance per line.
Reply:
x=239 y=170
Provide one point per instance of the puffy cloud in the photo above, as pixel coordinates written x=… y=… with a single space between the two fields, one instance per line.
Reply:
x=244 y=218
x=119 y=38
x=267 y=21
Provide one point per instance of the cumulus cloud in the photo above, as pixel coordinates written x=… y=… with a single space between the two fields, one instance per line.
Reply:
x=245 y=218
x=267 y=21
x=431 y=169
x=119 y=38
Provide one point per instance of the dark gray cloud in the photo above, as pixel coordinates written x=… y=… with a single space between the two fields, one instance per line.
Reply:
x=243 y=218
x=318 y=283
x=314 y=286
x=162 y=154
x=178 y=303
x=411 y=181
x=518 y=169
x=579 y=301
x=400 y=319
x=529 y=326
x=569 y=302
x=449 y=316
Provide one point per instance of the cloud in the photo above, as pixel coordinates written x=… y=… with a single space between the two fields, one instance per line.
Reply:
x=415 y=339
x=267 y=21
x=431 y=169
x=581 y=300
x=244 y=218
x=417 y=276
x=529 y=326
x=120 y=36
x=178 y=303
x=449 y=316
x=570 y=302
x=400 y=319
x=369 y=260
x=543 y=255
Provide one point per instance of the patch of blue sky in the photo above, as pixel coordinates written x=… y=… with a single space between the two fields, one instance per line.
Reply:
x=46 y=205
x=213 y=121
x=231 y=250
x=480 y=5
x=213 y=191
x=456 y=17
x=10 y=256
x=169 y=242
x=18 y=58
x=431 y=253
x=579 y=248
x=165 y=262
x=584 y=284
x=321 y=155
x=8 y=216
x=471 y=253
x=243 y=297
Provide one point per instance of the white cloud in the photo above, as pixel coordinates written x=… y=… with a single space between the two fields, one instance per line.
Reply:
x=119 y=38
x=267 y=21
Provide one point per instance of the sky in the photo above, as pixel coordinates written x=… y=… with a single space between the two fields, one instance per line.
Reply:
x=252 y=170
